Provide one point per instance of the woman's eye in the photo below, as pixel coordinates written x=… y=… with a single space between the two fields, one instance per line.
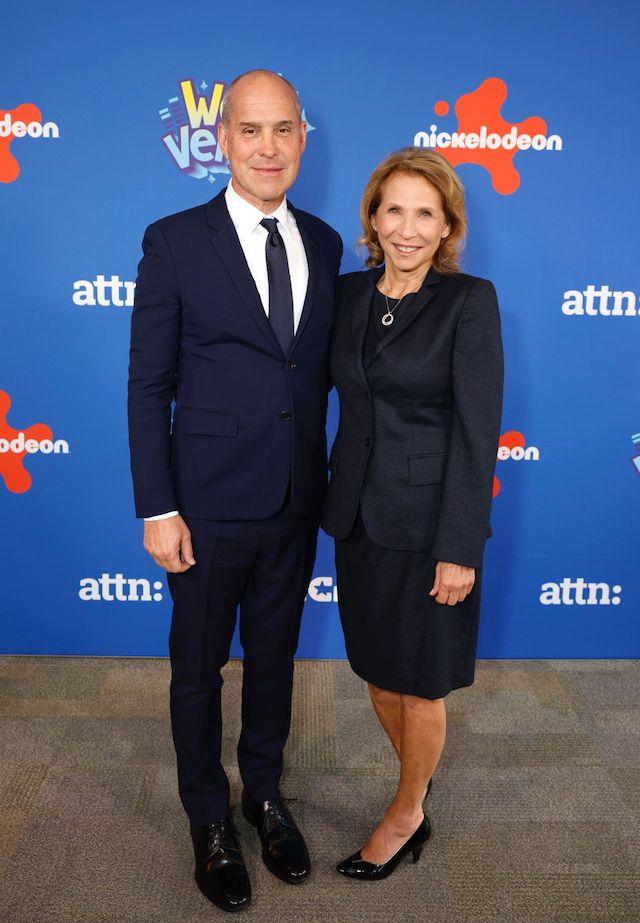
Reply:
x=427 y=213
x=393 y=209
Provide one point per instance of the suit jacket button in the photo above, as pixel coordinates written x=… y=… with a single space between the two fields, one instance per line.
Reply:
x=285 y=415
x=366 y=442
x=291 y=365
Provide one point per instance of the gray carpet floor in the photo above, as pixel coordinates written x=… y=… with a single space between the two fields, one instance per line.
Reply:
x=535 y=805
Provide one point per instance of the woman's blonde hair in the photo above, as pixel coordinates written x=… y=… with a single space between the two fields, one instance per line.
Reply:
x=440 y=174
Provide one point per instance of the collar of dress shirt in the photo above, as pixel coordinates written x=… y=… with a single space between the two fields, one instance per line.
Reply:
x=246 y=217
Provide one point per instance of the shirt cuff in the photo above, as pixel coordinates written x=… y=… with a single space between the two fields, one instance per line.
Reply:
x=161 y=516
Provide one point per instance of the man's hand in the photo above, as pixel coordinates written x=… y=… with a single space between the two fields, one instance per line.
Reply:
x=453 y=582
x=168 y=541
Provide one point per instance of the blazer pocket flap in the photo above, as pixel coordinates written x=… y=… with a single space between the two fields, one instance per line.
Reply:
x=208 y=422
x=427 y=469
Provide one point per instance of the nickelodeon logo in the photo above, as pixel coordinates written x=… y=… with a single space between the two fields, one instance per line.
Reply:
x=25 y=121
x=15 y=444
x=512 y=446
x=19 y=445
x=484 y=138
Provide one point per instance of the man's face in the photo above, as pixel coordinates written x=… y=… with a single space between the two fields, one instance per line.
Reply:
x=263 y=140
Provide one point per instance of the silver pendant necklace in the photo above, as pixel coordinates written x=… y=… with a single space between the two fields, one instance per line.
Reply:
x=387 y=319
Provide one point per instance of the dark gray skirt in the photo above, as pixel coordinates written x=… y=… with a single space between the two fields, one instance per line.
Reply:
x=397 y=636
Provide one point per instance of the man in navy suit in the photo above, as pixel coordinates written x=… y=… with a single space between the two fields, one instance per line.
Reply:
x=232 y=318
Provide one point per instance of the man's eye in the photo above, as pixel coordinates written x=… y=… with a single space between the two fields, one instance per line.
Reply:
x=249 y=131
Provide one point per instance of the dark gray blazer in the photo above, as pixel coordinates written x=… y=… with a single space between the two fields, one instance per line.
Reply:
x=419 y=428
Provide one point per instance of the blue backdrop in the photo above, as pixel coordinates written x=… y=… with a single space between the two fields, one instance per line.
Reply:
x=104 y=138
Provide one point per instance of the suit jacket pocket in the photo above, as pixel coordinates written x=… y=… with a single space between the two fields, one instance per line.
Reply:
x=427 y=469
x=207 y=422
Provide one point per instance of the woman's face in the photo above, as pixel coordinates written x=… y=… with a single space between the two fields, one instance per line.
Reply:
x=410 y=222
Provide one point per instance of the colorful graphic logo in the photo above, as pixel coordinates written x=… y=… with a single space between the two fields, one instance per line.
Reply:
x=635 y=459
x=511 y=445
x=484 y=138
x=191 y=124
x=25 y=121
x=191 y=129
x=15 y=444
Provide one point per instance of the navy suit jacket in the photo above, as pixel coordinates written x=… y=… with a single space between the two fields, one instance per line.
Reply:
x=248 y=419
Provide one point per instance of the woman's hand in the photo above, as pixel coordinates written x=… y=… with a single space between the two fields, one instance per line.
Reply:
x=453 y=582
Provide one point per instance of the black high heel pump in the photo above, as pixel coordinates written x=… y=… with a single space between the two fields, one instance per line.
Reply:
x=356 y=867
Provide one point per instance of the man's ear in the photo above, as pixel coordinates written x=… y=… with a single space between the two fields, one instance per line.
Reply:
x=222 y=137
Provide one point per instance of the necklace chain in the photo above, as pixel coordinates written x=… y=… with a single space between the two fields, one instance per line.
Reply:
x=388 y=318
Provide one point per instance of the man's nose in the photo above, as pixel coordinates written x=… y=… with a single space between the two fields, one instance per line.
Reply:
x=267 y=146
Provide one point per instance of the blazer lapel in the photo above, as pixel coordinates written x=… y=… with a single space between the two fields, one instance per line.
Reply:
x=313 y=263
x=225 y=240
x=414 y=305
x=360 y=314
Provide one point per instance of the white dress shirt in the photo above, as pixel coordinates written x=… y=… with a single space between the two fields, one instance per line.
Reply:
x=246 y=219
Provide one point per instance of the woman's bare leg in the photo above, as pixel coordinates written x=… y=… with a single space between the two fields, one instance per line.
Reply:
x=388 y=708
x=423 y=731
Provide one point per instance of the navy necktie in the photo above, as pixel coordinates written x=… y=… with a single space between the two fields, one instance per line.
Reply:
x=280 y=296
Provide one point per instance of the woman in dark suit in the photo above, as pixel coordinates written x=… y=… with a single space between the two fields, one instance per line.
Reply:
x=416 y=358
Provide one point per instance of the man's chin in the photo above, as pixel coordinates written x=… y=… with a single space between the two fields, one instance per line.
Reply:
x=265 y=189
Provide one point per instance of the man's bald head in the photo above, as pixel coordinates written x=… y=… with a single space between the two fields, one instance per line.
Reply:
x=243 y=81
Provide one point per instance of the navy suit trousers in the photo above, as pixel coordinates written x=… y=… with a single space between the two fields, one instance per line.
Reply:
x=262 y=567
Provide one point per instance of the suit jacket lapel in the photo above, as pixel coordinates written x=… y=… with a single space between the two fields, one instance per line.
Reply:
x=313 y=263
x=360 y=314
x=408 y=312
x=225 y=240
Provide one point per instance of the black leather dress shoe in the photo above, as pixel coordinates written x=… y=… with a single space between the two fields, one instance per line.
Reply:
x=357 y=867
x=220 y=870
x=284 y=850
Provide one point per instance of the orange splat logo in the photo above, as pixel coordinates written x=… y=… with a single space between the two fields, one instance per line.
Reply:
x=25 y=121
x=15 y=444
x=511 y=445
x=483 y=137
